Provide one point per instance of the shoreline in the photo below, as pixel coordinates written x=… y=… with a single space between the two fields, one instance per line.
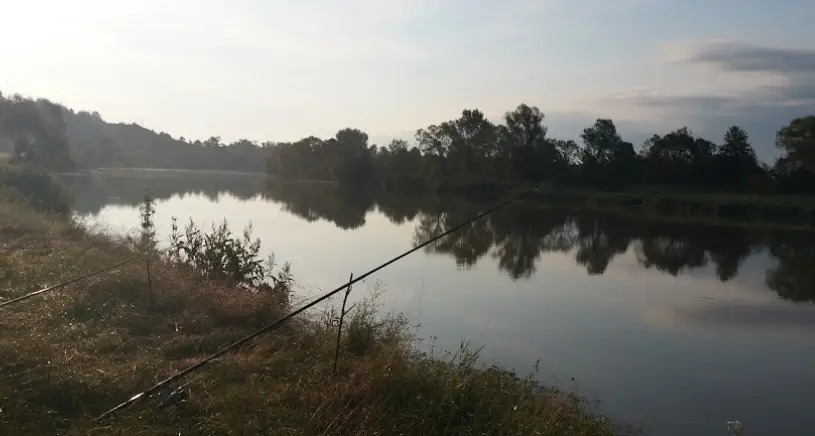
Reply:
x=774 y=212
x=118 y=338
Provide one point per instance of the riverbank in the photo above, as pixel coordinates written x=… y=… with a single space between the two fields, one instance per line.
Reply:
x=754 y=211
x=70 y=354
x=761 y=211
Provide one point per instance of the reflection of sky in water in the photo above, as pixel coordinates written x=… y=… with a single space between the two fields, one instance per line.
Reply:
x=684 y=354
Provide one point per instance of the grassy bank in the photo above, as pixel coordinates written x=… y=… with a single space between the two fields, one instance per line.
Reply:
x=68 y=355
x=782 y=212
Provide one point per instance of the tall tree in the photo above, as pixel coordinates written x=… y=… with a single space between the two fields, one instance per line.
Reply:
x=458 y=147
x=352 y=158
x=606 y=159
x=797 y=140
x=600 y=141
x=736 y=161
x=523 y=142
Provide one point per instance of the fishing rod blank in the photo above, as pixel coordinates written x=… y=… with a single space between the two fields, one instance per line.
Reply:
x=281 y=321
x=51 y=288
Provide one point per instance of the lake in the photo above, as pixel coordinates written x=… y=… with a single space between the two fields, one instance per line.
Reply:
x=678 y=327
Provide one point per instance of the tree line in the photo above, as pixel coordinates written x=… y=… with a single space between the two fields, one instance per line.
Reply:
x=469 y=149
x=474 y=149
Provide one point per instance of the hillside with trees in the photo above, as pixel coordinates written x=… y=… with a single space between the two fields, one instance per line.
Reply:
x=83 y=140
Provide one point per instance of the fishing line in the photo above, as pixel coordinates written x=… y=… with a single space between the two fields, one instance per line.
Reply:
x=51 y=288
x=269 y=327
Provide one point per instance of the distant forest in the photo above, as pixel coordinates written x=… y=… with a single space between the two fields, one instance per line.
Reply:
x=63 y=139
x=467 y=150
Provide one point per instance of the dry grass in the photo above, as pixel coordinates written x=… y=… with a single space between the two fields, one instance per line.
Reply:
x=71 y=354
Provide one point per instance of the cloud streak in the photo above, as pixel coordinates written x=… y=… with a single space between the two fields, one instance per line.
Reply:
x=734 y=56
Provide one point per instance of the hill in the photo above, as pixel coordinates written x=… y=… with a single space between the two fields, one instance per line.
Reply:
x=94 y=143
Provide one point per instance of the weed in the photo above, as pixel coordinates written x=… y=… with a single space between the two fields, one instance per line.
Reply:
x=220 y=256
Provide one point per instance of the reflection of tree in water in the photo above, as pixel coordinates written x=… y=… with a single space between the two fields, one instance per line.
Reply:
x=600 y=238
x=401 y=207
x=93 y=192
x=670 y=253
x=674 y=248
x=312 y=201
x=466 y=245
x=794 y=277
x=516 y=236
x=728 y=248
x=522 y=234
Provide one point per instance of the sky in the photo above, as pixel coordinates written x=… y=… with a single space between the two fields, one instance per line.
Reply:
x=281 y=70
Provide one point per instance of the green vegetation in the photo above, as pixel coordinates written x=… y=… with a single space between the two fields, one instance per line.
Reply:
x=72 y=353
x=36 y=186
x=222 y=257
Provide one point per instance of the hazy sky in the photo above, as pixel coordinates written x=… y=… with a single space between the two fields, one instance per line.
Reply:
x=281 y=70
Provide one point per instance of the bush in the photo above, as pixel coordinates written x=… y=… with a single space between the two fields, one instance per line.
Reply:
x=220 y=256
x=37 y=187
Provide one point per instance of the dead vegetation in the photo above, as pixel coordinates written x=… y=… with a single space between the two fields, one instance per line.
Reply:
x=71 y=354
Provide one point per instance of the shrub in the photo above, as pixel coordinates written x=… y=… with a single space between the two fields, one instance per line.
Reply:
x=37 y=187
x=220 y=256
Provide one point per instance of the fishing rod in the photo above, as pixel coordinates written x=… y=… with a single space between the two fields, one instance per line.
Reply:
x=269 y=327
x=51 y=288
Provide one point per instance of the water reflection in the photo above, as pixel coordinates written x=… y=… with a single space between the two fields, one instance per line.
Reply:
x=516 y=236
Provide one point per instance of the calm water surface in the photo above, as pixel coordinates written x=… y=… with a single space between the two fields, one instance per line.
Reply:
x=679 y=328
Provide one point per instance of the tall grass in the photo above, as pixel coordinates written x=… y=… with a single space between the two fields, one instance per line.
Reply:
x=68 y=355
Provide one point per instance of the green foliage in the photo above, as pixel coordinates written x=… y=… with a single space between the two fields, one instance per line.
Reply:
x=365 y=332
x=147 y=212
x=220 y=256
x=37 y=186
